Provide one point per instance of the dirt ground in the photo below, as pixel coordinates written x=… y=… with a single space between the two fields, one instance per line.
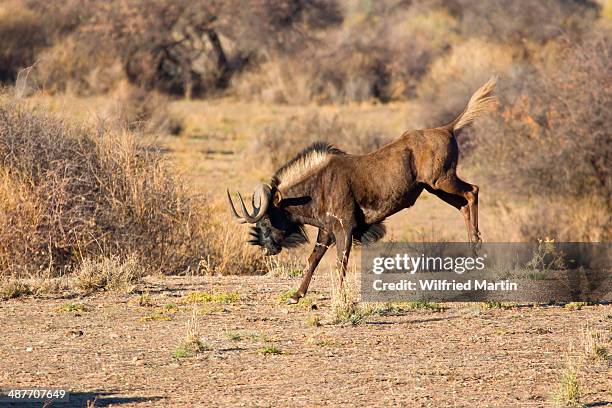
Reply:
x=111 y=349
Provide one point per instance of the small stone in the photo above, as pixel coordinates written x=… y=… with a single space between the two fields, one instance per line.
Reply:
x=29 y=349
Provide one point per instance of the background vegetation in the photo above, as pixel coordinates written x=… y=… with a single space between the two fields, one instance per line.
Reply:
x=75 y=191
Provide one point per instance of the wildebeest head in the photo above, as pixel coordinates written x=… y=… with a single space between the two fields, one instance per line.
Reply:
x=273 y=228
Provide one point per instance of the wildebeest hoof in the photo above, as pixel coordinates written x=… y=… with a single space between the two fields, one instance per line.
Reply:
x=292 y=301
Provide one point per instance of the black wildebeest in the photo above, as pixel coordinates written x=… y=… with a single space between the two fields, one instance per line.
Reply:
x=348 y=196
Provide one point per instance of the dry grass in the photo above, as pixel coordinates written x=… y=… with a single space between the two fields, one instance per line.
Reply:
x=595 y=346
x=98 y=202
x=108 y=273
x=230 y=256
x=12 y=288
x=345 y=307
x=568 y=392
x=73 y=193
x=193 y=343
x=579 y=361
x=286 y=264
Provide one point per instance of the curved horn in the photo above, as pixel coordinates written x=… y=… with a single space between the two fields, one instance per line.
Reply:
x=238 y=218
x=262 y=196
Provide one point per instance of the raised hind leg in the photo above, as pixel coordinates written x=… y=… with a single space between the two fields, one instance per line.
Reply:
x=463 y=196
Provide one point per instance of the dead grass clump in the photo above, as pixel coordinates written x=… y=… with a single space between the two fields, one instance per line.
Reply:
x=594 y=344
x=345 y=308
x=193 y=343
x=144 y=111
x=568 y=392
x=108 y=273
x=13 y=288
x=280 y=143
x=69 y=194
x=286 y=264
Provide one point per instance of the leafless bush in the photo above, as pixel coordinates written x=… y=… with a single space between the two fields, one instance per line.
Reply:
x=62 y=17
x=551 y=138
x=68 y=194
x=384 y=58
x=281 y=142
x=191 y=48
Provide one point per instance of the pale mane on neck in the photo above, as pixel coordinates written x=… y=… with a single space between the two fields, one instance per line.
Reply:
x=308 y=160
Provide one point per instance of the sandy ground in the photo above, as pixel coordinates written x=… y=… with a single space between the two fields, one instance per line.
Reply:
x=121 y=353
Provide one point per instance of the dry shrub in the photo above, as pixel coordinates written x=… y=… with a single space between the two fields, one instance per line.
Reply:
x=279 y=143
x=61 y=18
x=21 y=35
x=77 y=64
x=73 y=193
x=389 y=50
x=551 y=142
x=526 y=219
x=194 y=48
x=28 y=27
x=382 y=57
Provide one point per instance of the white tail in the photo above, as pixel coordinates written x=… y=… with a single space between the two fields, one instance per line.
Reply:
x=480 y=101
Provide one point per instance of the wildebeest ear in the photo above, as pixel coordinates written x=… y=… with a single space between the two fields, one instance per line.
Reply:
x=278 y=197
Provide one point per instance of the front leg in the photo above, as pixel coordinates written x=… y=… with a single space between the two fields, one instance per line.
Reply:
x=324 y=240
x=344 y=242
